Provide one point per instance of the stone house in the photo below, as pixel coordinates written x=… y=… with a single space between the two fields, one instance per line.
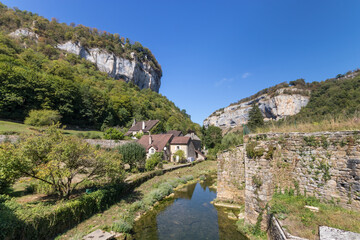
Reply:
x=141 y=127
x=186 y=145
x=157 y=143
x=195 y=139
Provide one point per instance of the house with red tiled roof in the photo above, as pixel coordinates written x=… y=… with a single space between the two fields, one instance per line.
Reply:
x=157 y=143
x=182 y=144
x=175 y=133
x=141 y=127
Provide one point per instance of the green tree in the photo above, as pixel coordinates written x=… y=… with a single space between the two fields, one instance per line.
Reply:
x=113 y=134
x=42 y=118
x=256 y=118
x=57 y=160
x=231 y=140
x=8 y=170
x=212 y=136
x=180 y=155
x=153 y=161
x=133 y=154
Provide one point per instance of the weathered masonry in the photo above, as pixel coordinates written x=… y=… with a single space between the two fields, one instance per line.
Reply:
x=323 y=164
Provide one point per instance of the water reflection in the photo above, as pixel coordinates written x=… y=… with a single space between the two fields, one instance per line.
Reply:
x=190 y=215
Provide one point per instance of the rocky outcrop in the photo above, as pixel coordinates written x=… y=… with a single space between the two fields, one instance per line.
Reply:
x=285 y=102
x=23 y=32
x=140 y=73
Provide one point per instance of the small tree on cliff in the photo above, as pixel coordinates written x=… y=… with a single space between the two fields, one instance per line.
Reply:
x=256 y=119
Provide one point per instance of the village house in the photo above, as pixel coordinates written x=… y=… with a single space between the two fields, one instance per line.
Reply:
x=170 y=143
x=186 y=145
x=195 y=139
x=175 y=133
x=157 y=143
x=141 y=127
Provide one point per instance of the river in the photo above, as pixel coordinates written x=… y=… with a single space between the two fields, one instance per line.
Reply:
x=189 y=215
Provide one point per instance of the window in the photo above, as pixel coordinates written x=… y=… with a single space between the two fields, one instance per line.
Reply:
x=152 y=150
x=177 y=147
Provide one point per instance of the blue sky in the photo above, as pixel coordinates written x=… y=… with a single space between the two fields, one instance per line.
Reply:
x=214 y=53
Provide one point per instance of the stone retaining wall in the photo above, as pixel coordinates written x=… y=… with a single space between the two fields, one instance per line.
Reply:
x=95 y=142
x=324 y=164
x=231 y=177
x=107 y=143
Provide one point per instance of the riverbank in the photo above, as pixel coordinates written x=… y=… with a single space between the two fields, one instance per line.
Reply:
x=115 y=212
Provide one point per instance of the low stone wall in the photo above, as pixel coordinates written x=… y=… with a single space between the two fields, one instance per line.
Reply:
x=327 y=233
x=107 y=143
x=8 y=138
x=324 y=164
x=276 y=232
x=95 y=142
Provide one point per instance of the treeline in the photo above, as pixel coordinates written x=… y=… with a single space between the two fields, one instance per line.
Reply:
x=49 y=79
x=53 y=32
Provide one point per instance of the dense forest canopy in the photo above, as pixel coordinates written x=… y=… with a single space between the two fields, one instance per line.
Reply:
x=37 y=75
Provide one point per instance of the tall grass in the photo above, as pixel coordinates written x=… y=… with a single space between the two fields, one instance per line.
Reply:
x=329 y=124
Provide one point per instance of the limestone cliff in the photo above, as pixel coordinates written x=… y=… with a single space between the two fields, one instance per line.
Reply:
x=141 y=73
x=284 y=102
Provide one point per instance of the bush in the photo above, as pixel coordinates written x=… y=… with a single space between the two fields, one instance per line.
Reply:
x=42 y=222
x=41 y=118
x=8 y=170
x=179 y=154
x=153 y=161
x=133 y=154
x=231 y=140
x=113 y=134
x=122 y=226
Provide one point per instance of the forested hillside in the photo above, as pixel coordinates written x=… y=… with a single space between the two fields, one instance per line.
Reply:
x=36 y=75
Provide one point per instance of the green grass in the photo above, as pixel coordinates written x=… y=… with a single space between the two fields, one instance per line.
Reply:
x=301 y=222
x=7 y=127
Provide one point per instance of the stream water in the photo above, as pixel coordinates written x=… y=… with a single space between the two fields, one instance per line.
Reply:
x=189 y=215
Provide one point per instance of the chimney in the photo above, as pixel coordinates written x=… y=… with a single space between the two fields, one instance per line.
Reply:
x=134 y=122
x=150 y=139
x=143 y=125
x=192 y=136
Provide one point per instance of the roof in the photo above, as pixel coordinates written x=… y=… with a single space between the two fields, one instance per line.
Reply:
x=180 y=140
x=196 y=138
x=200 y=153
x=139 y=126
x=175 y=133
x=158 y=141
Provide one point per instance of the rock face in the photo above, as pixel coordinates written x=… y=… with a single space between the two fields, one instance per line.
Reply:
x=23 y=32
x=140 y=73
x=136 y=71
x=282 y=104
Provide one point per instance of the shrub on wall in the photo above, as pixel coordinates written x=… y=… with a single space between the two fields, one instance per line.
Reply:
x=113 y=134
